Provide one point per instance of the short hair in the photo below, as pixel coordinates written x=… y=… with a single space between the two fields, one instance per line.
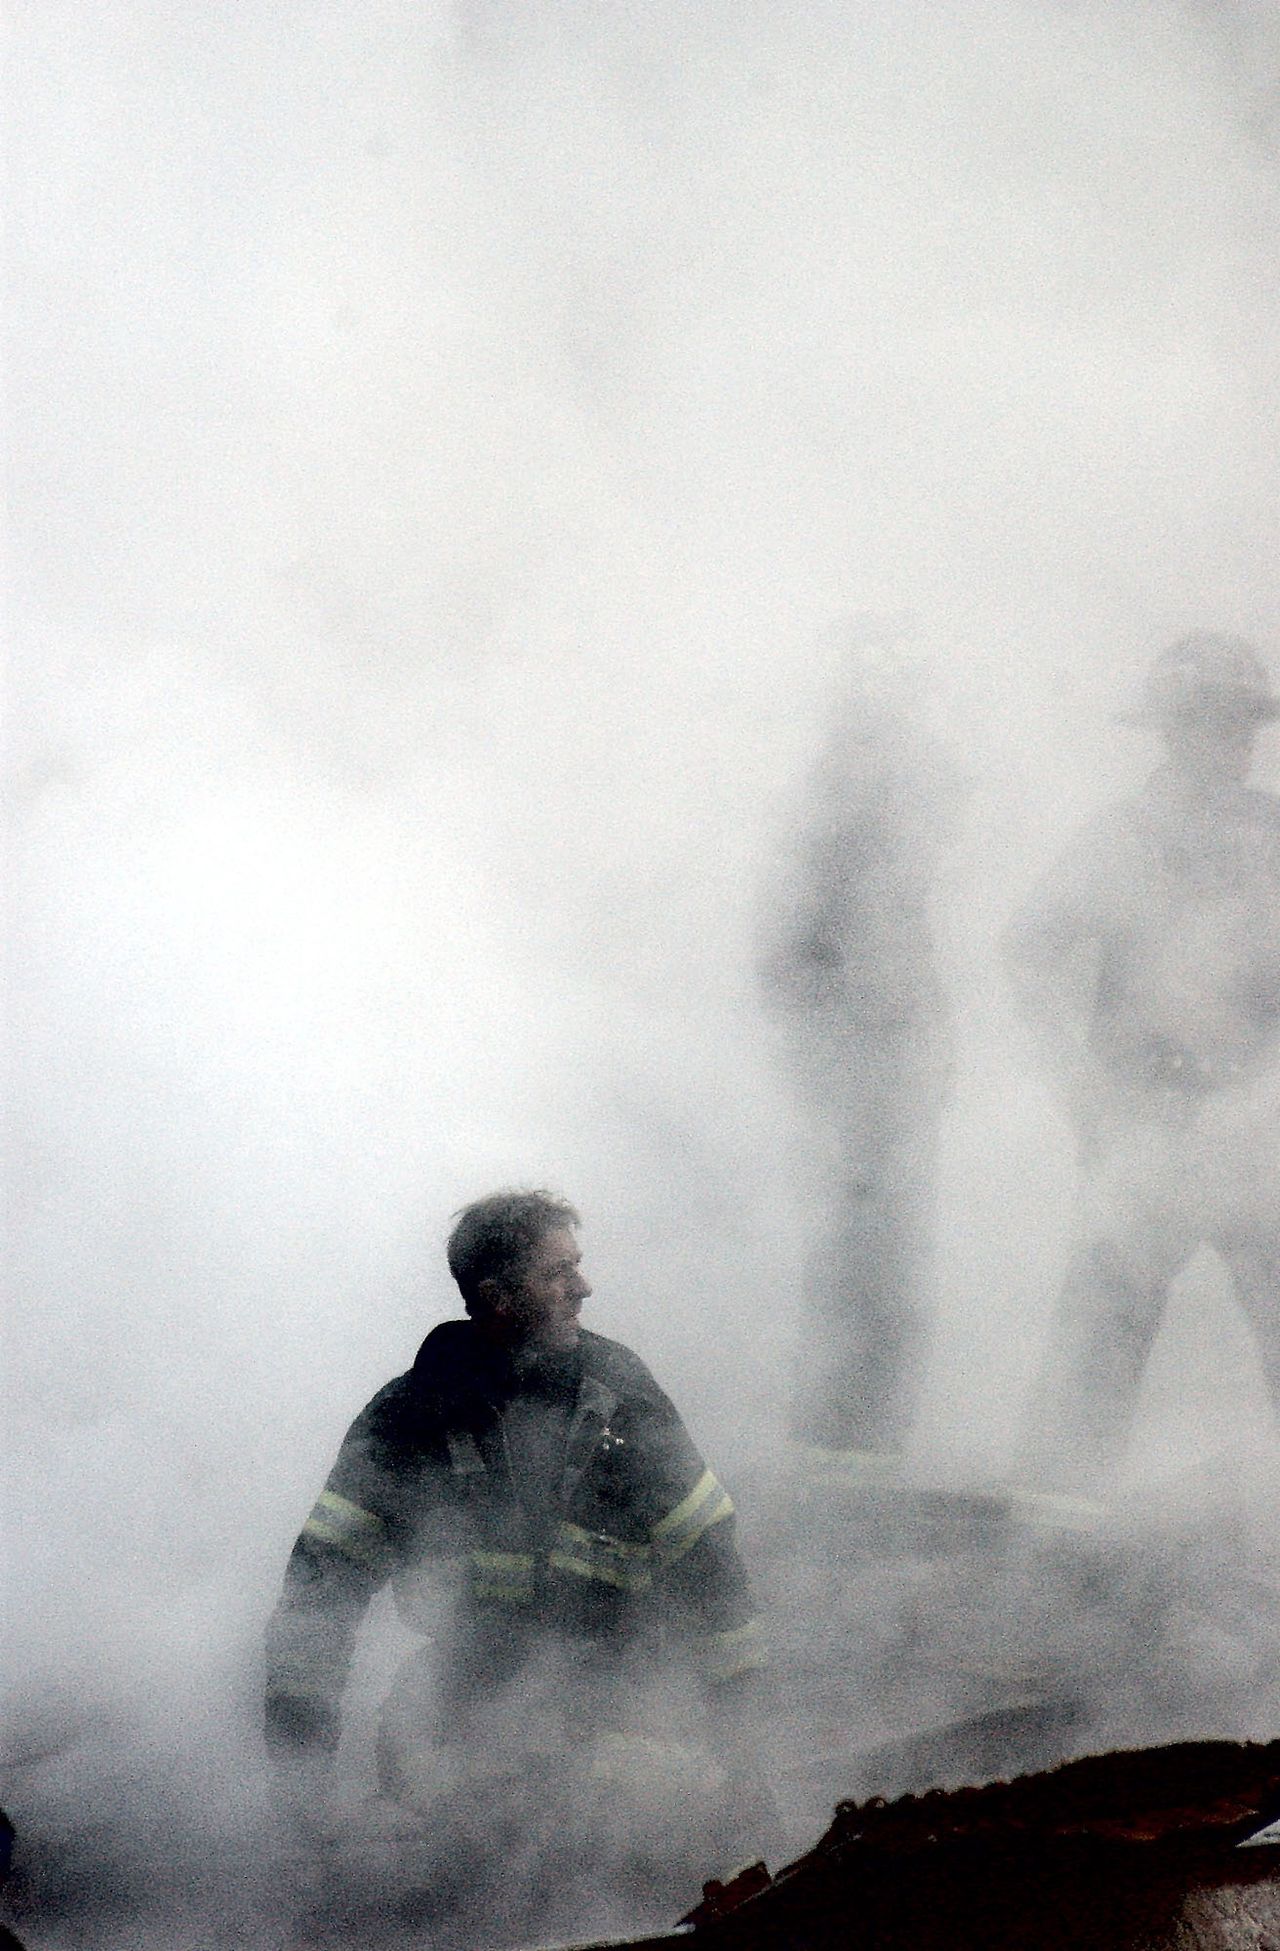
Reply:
x=492 y=1238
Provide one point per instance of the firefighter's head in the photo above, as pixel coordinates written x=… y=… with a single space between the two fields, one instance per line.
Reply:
x=1208 y=696
x=516 y=1259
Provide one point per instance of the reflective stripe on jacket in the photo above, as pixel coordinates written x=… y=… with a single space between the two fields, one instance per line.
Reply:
x=625 y=1564
x=359 y=1535
x=425 y=1476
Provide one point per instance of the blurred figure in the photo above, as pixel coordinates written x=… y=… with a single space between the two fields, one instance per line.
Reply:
x=1147 y=963
x=592 y=1543
x=849 y=973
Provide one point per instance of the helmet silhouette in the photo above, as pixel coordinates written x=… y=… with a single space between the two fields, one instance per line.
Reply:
x=1205 y=674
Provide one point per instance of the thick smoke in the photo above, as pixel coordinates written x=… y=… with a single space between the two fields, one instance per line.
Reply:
x=441 y=440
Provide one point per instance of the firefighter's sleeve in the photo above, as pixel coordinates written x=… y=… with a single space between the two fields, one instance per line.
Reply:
x=1053 y=945
x=695 y=1552
x=344 y=1553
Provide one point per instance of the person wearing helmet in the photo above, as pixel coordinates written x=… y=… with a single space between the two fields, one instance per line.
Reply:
x=1147 y=964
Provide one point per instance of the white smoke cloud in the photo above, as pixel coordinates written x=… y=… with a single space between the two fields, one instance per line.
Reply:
x=441 y=438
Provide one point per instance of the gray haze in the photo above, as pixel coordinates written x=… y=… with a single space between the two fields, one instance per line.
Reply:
x=441 y=437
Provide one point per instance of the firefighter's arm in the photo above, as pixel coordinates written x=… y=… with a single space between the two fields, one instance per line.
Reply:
x=707 y=1594
x=1053 y=949
x=696 y=1557
x=1049 y=954
x=704 y=1576
x=703 y=1573
x=343 y=1555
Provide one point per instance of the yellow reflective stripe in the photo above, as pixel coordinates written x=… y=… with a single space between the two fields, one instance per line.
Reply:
x=735 y=1635
x=504 y=1575
x=707 y=1503
x=722 y=1508
x=621 y=1547
x=637 y=1581
x=358 y=1534
x=593 y=1554
x=722 y=1655
x=687 y=1506
x=343 y=1508
x=364 y=1553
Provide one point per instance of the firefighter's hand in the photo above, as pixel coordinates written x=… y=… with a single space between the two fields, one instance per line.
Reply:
x=301 y=1737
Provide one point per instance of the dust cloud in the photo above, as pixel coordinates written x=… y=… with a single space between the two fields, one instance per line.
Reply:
x=441 y=440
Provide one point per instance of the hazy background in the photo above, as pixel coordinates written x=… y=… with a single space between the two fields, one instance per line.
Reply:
x=441 y=438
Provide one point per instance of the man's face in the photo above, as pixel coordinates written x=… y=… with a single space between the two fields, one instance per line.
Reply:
x=541 y=1307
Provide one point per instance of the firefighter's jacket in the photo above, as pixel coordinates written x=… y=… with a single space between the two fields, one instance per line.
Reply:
x=1158 y=934
x=595 y=1519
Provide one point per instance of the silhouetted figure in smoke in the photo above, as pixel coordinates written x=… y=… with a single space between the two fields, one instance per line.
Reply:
x=1148 y=963
x=593 y=1544
x=850 y=973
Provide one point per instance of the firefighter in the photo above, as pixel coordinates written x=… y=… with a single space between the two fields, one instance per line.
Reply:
x=850 y=979
x=1147 y=963
x=545 y=1464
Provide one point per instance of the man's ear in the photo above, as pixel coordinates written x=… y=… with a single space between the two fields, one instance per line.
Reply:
x=492 y=1296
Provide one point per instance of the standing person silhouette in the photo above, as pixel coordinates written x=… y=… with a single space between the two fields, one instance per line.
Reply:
x=1147 y=963
x=850 y=975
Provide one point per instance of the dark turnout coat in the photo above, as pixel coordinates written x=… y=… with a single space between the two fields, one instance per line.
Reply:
x=612 y=1524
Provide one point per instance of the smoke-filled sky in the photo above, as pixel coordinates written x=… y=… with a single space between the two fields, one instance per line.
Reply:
x=441 y=440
